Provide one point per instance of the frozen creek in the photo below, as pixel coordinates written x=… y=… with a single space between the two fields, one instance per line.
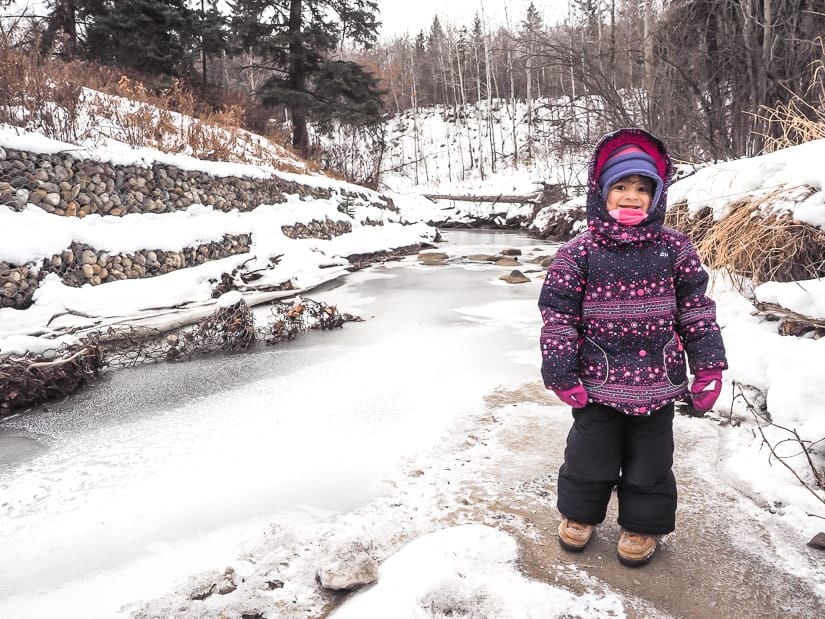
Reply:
x=427 y=415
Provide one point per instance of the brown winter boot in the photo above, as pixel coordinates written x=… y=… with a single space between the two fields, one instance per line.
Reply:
x=636 y=549
x=574 y=536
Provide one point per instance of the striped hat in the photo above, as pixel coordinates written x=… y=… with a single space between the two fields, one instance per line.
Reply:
x=626 y=160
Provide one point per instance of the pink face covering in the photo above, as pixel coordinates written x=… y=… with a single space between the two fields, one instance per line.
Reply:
x=628 y=216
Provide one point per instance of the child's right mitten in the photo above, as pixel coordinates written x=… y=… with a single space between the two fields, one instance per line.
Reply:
x=707 y=384
x=575 y=396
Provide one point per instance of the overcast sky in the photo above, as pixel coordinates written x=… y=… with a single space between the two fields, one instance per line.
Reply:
x=410 y=16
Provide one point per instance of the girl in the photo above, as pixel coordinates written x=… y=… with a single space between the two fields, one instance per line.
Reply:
x=622 y=304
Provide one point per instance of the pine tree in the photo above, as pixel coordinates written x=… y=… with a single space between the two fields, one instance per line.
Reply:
x=210 y=28
x=61 y=23
x=297 y=38
x=156 y=36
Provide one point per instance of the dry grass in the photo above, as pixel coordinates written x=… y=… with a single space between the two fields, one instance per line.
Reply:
x=755 y=241
x=802 y=118
x=47 y=96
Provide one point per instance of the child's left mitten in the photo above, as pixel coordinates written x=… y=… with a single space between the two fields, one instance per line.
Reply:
x=707 y=384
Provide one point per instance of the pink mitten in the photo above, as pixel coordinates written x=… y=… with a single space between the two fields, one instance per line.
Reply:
x=575 y=396
x=705 y=389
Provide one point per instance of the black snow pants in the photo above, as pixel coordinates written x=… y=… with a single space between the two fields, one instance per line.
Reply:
x=606 y=448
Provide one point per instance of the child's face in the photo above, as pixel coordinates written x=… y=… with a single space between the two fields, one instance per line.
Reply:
x=630 y=192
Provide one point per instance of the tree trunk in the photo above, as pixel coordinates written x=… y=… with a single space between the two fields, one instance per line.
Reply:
x=649 y=59
x=297 y=78
x=62 y=20
x=203 y=51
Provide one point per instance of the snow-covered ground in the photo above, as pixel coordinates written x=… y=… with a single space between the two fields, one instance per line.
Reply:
x=786 y=372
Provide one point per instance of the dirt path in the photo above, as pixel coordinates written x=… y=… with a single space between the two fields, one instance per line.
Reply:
x=727 y=558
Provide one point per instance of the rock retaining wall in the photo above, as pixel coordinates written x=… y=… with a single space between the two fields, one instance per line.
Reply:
x=81 y=264
x=318 y=229
x=63 y=185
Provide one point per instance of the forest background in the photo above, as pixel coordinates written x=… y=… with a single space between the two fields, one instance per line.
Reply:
x=716 y=79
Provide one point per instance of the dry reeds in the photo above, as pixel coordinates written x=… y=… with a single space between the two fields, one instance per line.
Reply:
x=756 y=241
x=802 y=118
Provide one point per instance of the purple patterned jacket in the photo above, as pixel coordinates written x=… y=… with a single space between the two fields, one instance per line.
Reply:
x=622 y=305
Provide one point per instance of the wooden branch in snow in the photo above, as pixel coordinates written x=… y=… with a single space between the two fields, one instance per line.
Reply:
x=56 y=362
x=817 y=475
x=494 y=199
x=792 y=323
x=782 y=312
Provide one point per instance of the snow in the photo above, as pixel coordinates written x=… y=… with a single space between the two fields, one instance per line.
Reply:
x=471 y=569
x=795 y=170
x=806 y=297
x=228 y=299
x=468 y=571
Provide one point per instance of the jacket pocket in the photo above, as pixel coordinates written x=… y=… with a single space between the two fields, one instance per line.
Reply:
x=674 y=360
x=593 y=363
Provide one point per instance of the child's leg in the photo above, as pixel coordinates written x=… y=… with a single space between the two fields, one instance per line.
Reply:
x=647 y=487
x=591 y=463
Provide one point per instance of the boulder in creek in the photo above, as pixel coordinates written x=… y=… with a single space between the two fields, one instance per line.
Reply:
x=515 y=277
x=507 y=262
x=482 y=258
x=432 y=258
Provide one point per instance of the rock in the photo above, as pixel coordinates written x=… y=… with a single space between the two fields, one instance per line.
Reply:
x=227 y=583
x=202 y=592
x=515 y=277
x=818 y=541
x=348 y=564
x=507 y=262
x=87 y=256
x=510 y=252
x=481 y=258
x=432 y=258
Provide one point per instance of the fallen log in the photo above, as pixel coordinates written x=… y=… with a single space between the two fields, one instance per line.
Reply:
x=791 y=323
x=501 y=198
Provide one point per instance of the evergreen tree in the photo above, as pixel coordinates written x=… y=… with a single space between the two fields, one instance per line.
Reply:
x=297 y=38
x=435 y=62
x=480 y=67
x=157 y=36
x=62 y=24
x=210 y=28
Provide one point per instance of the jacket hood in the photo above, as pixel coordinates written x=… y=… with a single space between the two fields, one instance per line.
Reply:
x=598 y=221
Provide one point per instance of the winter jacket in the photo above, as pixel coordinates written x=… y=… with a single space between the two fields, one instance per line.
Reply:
x=622 y=305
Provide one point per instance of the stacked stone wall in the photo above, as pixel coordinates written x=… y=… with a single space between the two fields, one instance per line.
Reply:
x=64 y=185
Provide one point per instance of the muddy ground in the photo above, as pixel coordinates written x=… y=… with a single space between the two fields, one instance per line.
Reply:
x=728 y=558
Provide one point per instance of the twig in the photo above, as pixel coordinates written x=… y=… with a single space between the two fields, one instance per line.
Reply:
x=56 y=362
x=70 y=312
x=765 y=440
